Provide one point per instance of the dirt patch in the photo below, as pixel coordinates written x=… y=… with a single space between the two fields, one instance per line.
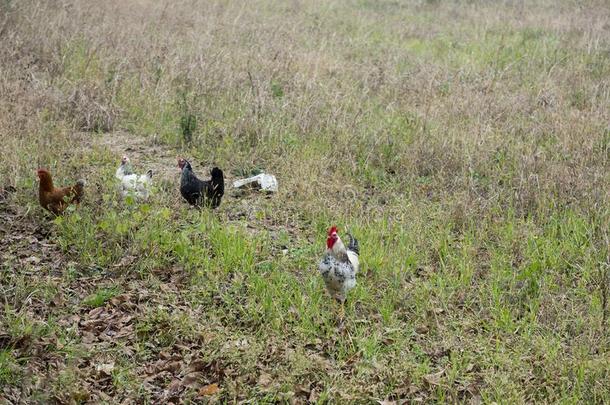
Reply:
x=144 y=153
x=24 y=242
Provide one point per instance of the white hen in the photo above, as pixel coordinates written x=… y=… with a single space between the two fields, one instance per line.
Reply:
x=131 y=183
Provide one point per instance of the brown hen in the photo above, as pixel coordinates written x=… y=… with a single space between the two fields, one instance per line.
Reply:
x=57 y=199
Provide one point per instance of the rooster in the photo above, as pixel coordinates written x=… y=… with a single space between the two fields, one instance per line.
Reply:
x=198 y=192
x=57 y=199
x=339 y=265
x=131 y=183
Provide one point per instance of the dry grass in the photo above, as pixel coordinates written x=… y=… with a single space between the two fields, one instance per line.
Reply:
x=467 y=144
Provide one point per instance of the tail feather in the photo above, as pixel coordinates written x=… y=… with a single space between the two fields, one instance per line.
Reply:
x=218 y=181
x=78 y=190
x=217 y=174
x=353 y=244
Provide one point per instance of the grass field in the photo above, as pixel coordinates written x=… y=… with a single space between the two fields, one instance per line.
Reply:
x=466 y=145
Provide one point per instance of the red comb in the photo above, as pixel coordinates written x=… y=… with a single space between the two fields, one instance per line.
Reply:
x=332 y=230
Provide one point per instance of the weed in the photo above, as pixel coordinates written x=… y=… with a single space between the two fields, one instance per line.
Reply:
x=100 y=297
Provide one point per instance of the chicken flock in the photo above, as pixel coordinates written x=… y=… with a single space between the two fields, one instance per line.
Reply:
x=338 y=266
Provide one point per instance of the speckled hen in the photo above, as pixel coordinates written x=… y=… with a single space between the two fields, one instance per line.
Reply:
x=339 y=265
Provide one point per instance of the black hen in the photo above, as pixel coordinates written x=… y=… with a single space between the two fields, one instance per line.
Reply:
x=198 y=192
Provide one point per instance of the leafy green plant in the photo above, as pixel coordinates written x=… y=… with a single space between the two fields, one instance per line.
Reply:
x=101 y=297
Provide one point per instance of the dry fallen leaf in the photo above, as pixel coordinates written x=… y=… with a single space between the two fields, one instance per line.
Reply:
x=125 y=261
x=209 y=390
x=32 y=259
x=88 y=337
x=313 y=396
x=242 y=344
x=303 y=390
x=172 y=367
x=435 y=378
x=105 y=368
x=321 y=361
x=264 y=380
x=174 y=386
x=119 y=299
x=94 y=313
x=196 y=365
x=192 y=380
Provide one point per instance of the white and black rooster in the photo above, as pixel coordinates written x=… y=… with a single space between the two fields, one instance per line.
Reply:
x=131 y=183
x=339 y=265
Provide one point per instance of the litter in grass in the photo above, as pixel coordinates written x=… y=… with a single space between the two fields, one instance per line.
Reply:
x=263 y=181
